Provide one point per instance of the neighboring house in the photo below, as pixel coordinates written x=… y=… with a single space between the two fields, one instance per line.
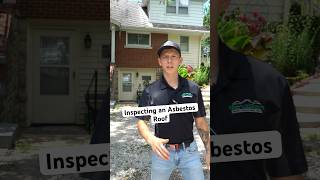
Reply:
x=272 y=10
x=54 y=48
x=138 y=30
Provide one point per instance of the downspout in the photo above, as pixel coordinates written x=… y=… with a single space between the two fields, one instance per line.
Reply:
x=113 y=43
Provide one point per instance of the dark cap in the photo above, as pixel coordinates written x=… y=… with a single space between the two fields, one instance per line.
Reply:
x=169 y=45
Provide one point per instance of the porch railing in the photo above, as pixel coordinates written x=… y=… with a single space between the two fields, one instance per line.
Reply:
x=92 y=109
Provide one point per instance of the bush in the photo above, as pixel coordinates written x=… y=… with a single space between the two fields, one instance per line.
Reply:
x=292 y=52
x=202 y=75
x=245 y=34
x=185 y=71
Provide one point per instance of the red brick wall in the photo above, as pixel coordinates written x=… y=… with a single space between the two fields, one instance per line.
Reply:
x=137 y=57
x=65 y=9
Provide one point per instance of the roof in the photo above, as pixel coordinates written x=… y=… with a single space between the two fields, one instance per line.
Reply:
x=174 y=26
x=128 y=14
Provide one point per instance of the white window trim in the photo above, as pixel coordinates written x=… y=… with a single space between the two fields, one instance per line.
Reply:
x=177 y=9
x=137 y=45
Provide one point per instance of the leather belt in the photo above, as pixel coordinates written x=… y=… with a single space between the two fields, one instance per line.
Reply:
x=182 y=145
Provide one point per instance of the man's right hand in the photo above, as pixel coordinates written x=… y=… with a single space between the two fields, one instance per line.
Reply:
x=157 y=145
x=155 y=142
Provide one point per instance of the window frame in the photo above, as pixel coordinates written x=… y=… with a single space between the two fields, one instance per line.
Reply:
x=138 y=45
x=182 y=50
x=177 y=11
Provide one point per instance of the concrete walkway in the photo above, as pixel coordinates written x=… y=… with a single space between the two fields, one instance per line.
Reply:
x=307 y=102
x=22 y=163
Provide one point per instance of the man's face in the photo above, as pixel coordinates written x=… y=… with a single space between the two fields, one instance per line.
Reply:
x=170 y=60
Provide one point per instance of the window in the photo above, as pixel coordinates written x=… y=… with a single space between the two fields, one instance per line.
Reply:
x=126 y=82
x=138 y=39
x=54 y=65
x=177 y=6
x=171 y=6
x=184 y=43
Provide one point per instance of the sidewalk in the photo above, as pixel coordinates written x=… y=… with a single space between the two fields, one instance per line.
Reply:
x=22 y=163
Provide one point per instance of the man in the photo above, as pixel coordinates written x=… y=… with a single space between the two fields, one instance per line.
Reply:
x=173 y=144
x=239 y=78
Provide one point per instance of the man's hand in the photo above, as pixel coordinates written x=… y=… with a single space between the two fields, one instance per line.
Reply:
x=158 y=147
x=204 y=133
x=155 y=142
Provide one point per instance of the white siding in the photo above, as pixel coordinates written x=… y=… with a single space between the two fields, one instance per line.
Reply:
x=273 y=10
x=157 y=14
x=89 y=61
x=191 y=57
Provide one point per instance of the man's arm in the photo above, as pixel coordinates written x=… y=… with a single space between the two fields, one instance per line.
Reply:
x=155 y=142
x=204 y=132
x=297 y=177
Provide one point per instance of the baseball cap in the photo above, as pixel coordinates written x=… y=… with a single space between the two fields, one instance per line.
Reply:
x=168 y=45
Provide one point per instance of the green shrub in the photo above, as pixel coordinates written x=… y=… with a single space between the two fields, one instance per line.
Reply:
x=245 y=34
x=292 y=52
x=202 y=75
x=183 y=71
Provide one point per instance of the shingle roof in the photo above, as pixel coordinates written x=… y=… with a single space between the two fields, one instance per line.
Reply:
x=128 y=14
x=174 y=26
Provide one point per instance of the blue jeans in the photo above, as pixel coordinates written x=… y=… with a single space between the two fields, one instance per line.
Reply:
x=186 y=160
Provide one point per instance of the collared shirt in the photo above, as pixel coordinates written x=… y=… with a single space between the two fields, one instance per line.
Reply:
x=245 y=80
x=180 y=127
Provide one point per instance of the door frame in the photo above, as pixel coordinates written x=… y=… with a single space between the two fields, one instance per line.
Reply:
x=74 y=43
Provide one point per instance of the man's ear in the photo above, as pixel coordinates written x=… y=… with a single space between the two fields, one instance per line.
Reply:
x=181 y=59
x=159 y=62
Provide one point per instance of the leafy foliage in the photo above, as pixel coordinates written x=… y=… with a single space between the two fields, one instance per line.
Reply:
x=184 y=71
x=245 y=34
x=292 y=52
x=202 y=75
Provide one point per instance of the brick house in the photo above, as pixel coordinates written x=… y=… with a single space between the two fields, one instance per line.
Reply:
x=53 y=49
x=138 y=30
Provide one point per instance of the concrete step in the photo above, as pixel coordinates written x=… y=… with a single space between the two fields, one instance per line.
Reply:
x=8 y=134
x=317 y=81
x=307 y=104
x=307 y=120
x=312 y=89
x=206 y=98
x=205 y=93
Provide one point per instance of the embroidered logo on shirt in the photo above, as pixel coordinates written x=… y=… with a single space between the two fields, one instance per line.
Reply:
x=186 y=95
x=246 y=105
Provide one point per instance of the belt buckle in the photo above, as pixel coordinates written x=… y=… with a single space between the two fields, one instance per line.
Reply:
x=173 y=146
x=176 y=146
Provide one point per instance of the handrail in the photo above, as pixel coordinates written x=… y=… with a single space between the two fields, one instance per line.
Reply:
x=93 y=81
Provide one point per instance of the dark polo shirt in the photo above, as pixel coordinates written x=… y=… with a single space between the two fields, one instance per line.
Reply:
x=180 y=127
x=242 y=79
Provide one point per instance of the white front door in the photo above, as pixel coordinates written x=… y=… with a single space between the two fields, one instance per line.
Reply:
x=53 y=86
x=126 y=86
